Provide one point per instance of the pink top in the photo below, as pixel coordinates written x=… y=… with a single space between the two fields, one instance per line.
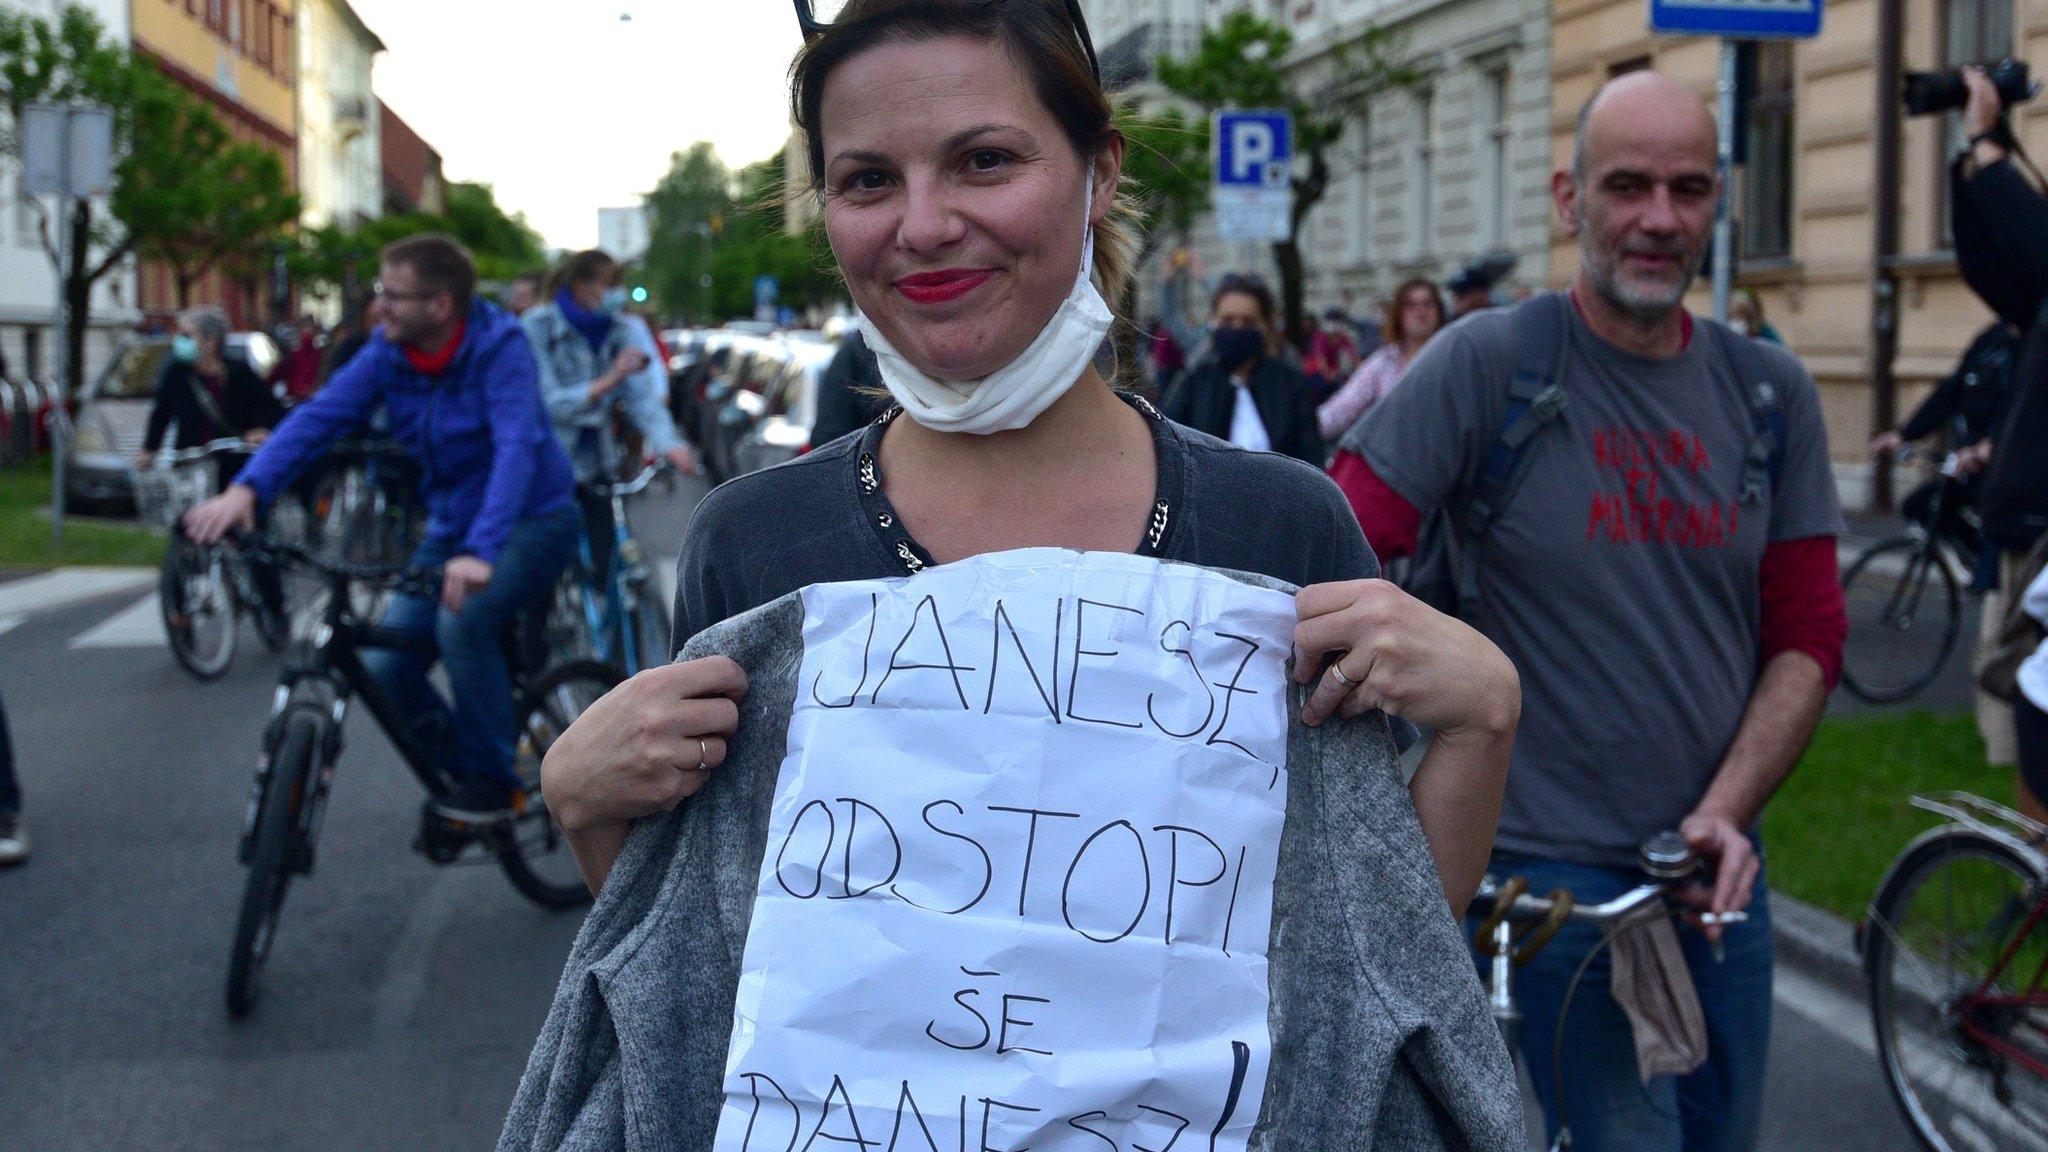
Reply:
x=1367 y=386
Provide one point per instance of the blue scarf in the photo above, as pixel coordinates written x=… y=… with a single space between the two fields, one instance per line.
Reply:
x=595 y=326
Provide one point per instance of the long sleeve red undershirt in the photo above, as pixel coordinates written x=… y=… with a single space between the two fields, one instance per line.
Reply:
x=1797 y=582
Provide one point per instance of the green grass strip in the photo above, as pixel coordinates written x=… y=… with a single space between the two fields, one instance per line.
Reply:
x=1832 y=830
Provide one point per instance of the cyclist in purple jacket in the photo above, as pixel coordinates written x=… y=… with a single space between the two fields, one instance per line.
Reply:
x=456 y=378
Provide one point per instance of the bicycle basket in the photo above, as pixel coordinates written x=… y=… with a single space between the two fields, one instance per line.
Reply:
x=162 y=495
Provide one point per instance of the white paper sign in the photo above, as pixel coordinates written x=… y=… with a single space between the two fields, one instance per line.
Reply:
x=1019 y=874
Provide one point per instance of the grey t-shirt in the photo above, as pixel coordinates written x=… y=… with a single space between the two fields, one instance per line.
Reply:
x=1622 y=576
x=823 y=517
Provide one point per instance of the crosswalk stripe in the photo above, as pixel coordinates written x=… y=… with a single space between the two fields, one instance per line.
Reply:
x=140 y=625
x=67 y=586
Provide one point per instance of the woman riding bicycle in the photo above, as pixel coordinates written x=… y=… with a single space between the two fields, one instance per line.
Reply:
x=592 y=355
x=208 y=394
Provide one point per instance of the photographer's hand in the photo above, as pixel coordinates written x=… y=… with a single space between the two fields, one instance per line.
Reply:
x=1980 y=117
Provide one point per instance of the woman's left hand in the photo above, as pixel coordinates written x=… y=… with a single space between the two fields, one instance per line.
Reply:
x=1397 y=654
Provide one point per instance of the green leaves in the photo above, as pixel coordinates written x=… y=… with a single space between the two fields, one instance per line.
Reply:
x=332 y=258
x=705 y=219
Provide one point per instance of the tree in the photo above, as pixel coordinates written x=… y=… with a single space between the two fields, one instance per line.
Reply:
x=1166 y=168
x=232 y=201
x=707 y=221
x=72 y=60
x=183 y=189
x=336 y=259
x=1241 y=63
x=685 y=219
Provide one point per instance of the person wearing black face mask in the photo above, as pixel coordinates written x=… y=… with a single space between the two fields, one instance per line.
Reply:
x=1241 y=391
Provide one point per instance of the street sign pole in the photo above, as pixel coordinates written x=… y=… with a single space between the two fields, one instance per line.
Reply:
x=1733 y=21
x=1724 y=219
x=67 y=152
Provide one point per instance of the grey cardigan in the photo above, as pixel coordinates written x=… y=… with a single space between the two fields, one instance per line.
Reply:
x=1381 y=1037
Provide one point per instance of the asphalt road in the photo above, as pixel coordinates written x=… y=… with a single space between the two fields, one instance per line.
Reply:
x=401 y=999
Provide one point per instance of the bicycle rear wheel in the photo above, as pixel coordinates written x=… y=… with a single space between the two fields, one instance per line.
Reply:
x=532 y=848
x=280 y=828
x=198 y=607
x=1905 y=611
x=1955 y=939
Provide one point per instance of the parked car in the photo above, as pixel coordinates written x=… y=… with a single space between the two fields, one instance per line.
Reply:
x=737 y=398
x=784 y=430
x=112 y=414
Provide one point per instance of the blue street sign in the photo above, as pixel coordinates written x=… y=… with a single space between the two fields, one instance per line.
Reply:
x=1738 y=19
x=1254 y=148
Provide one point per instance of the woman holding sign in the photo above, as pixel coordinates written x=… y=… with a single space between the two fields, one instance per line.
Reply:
x=969 y=170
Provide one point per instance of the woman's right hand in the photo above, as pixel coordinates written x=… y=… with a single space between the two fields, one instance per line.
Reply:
x=643 y=748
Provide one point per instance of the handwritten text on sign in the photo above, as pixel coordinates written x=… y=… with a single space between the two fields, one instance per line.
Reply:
x=1019 y=873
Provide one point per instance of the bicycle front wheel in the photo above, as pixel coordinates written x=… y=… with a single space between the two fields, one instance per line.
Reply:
x=650 y=629
x=1905 y=611
x=280 y=828
x=532 y=848
x=198 y=607
x=1956 y=950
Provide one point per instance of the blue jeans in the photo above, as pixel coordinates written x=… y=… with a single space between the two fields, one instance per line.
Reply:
x=1718 y=1107
x=480 y=725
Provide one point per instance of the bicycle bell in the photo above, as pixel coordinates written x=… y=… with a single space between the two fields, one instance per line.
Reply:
x=1666 y=856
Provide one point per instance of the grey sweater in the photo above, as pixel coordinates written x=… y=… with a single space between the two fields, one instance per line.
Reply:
x=1381 y=1037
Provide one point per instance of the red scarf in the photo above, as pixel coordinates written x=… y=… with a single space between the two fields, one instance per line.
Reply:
x=436 y=362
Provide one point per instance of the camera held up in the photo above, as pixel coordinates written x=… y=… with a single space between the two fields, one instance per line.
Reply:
x=1928 y=93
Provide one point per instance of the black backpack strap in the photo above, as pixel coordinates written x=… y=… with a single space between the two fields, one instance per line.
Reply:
x=1535 y=399
x=1764 y=396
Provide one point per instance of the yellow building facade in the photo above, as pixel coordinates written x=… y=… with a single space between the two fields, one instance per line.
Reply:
x=237 y=56
x=1806 y=197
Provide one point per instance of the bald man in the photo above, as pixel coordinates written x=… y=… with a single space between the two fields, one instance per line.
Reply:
x=1657 y=555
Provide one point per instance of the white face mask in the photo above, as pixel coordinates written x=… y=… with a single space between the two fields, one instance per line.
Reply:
x=1012 y=396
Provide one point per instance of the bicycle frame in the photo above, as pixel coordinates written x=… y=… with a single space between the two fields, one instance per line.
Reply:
x=608 y=626
x=1996 y=822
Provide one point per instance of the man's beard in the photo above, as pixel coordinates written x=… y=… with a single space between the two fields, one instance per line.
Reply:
x=1648 y=303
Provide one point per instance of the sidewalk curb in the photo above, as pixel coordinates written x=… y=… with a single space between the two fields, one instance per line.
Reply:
x=1818 y=943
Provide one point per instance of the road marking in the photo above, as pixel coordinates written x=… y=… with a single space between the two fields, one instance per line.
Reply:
x=10 y=623
x=67 y=586
x=1974 y=1110
x=140 y=625
x=412 y=957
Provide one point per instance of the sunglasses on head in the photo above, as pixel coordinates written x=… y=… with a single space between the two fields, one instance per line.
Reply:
x=807 y=20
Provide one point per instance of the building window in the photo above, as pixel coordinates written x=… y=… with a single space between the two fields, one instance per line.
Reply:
x=1494 y=131
x=1422 y=202
x=1767 y=172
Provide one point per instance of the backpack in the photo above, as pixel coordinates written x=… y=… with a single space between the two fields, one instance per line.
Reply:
x=1444 y=570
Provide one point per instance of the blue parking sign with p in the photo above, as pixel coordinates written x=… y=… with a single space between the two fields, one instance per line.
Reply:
x=1254 y=148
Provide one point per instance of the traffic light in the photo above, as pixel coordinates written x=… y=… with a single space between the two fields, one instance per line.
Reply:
x=639 y=294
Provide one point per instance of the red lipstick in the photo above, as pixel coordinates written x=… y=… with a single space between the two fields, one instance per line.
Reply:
x=939 y=287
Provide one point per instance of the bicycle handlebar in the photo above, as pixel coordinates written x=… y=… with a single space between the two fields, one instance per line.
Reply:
x=633 y=487
x=216 y=447
x=291 y=555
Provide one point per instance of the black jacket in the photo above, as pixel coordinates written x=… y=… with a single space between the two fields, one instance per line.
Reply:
x=1203 y=398
x=2001 y=230
x=1973 y=398
x=244 y=400
x=848 y=392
